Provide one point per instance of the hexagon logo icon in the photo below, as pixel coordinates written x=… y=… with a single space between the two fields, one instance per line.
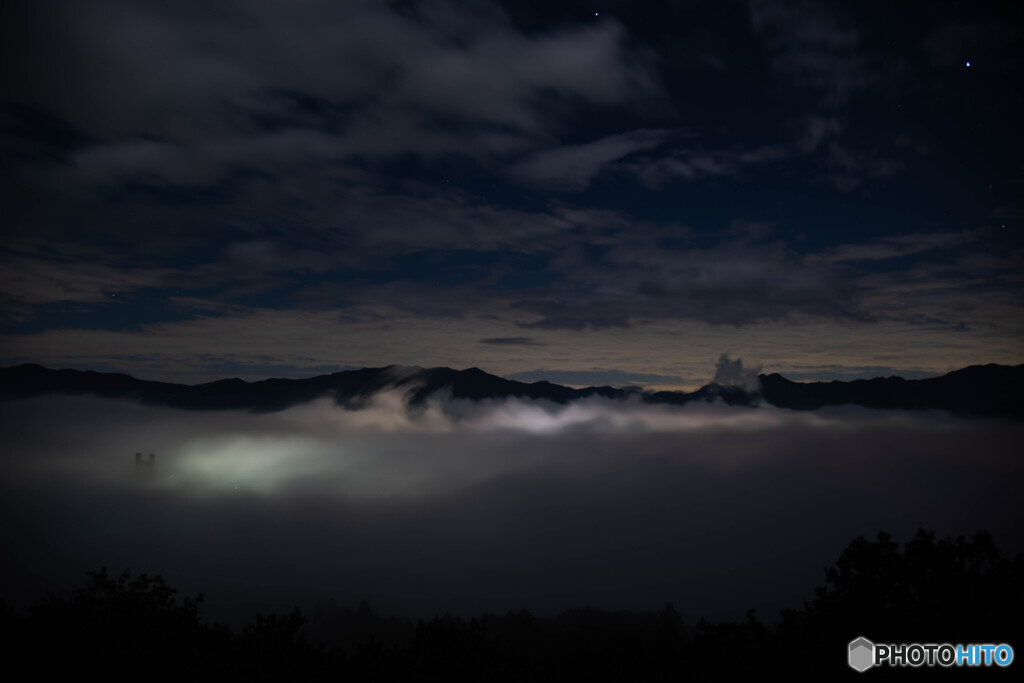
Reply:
x=861 y=654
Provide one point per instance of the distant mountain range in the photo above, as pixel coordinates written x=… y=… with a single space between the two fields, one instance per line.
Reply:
x=993 y=390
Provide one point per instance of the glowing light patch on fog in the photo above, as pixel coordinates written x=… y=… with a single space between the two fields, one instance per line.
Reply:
x=243 y=462
x=347 y=467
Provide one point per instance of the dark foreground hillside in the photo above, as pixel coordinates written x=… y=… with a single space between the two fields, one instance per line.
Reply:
x=928 y=591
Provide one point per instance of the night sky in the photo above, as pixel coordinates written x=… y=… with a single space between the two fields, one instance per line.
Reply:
x=614 y=193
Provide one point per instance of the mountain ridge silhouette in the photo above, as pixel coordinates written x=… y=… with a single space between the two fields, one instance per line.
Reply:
x=983 y=390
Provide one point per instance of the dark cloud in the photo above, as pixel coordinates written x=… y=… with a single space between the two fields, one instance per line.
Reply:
x=581 y=313
x=737 y=284
x=35 y=279
x=849 y=168
x=814 y=130
x=173 y=72
x=694 y=164
x=896 y=246
x=511 y=341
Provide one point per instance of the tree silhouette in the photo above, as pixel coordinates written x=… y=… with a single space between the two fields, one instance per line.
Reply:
x=938 y=591
x=122 y=625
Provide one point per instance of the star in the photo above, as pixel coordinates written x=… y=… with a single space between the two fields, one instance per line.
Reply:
x=968 y=63
x=595 y=14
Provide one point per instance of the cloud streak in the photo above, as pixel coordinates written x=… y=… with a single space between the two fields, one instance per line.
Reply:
x=574 y=167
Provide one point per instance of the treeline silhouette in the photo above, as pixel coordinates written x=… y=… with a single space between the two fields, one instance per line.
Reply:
x=950 y=590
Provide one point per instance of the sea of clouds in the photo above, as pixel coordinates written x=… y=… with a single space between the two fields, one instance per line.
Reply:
x=486 y=506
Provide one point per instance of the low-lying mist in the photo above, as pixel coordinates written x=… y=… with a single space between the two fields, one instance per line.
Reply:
x=489 y=506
